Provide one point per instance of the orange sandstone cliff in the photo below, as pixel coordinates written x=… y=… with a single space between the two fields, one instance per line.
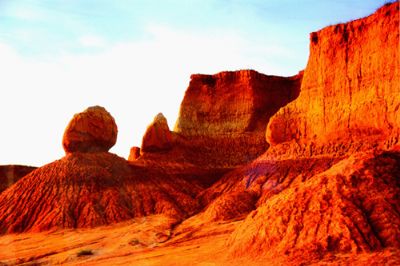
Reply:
x=350 y=91
x=223 y=117
x=227 y=113
x=233 y=102
x=344 y=125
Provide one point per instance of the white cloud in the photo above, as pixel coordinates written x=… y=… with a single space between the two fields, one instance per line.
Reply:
x=92 y=41
x=134 y=81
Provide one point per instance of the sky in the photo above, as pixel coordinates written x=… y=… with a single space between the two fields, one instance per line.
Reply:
x=135 y=59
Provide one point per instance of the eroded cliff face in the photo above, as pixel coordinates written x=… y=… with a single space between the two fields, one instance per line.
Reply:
x=329 y=181
x=350 y=94
x=233 y=102
x=223 y=117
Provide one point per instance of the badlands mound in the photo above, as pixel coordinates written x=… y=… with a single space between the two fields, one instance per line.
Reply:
x=91 y=187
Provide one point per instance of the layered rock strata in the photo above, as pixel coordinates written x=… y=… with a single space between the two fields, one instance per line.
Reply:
x=223 y=117
x=350 y=94
x=347 y=110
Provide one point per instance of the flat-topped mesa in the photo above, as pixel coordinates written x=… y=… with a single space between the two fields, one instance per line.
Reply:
x=223 y=117
x=233 y=102
x=350 y=94
x=93 y=130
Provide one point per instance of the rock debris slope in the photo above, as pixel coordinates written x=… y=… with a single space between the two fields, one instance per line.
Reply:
x=353 y=206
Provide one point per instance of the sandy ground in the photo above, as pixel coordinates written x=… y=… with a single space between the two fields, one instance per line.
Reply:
x=153 y=240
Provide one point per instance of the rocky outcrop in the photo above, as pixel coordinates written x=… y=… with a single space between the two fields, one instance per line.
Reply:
x=157 y=137
x=350 y=94
x=353 y=206
x=9 y=174
x=263 y=178
x=90 y=187
x=134 y=154
x=222 y=118
x=93 y=130
x=339 y=192
x=233 y=102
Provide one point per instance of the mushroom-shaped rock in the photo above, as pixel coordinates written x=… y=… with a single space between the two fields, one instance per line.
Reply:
x=93 y=130
x=157 y=136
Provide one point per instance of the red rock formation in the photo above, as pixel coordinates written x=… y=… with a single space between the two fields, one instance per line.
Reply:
x=354 y=206
x=93 y=130
x=263 y=178
x=350 y=94
x=9 y=174
x=324 y=186
x=157 y=136
x=134 y=154
x=91 y=189
x=233 y=102
x=223 y=117
x=348 y=105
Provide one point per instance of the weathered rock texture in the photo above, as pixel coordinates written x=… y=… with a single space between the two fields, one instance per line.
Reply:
x=157 y=137
x=134 y=154
x=93 y=130
x=329 y=183
x=233 y=102
x=350 y=94
x=223 y=118
x=354 y=206
x=263 y=178
x=91 y=189
x=9 y=174
x=347 y=110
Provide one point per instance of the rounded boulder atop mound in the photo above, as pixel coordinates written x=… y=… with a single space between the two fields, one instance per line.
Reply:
x=93 y=130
